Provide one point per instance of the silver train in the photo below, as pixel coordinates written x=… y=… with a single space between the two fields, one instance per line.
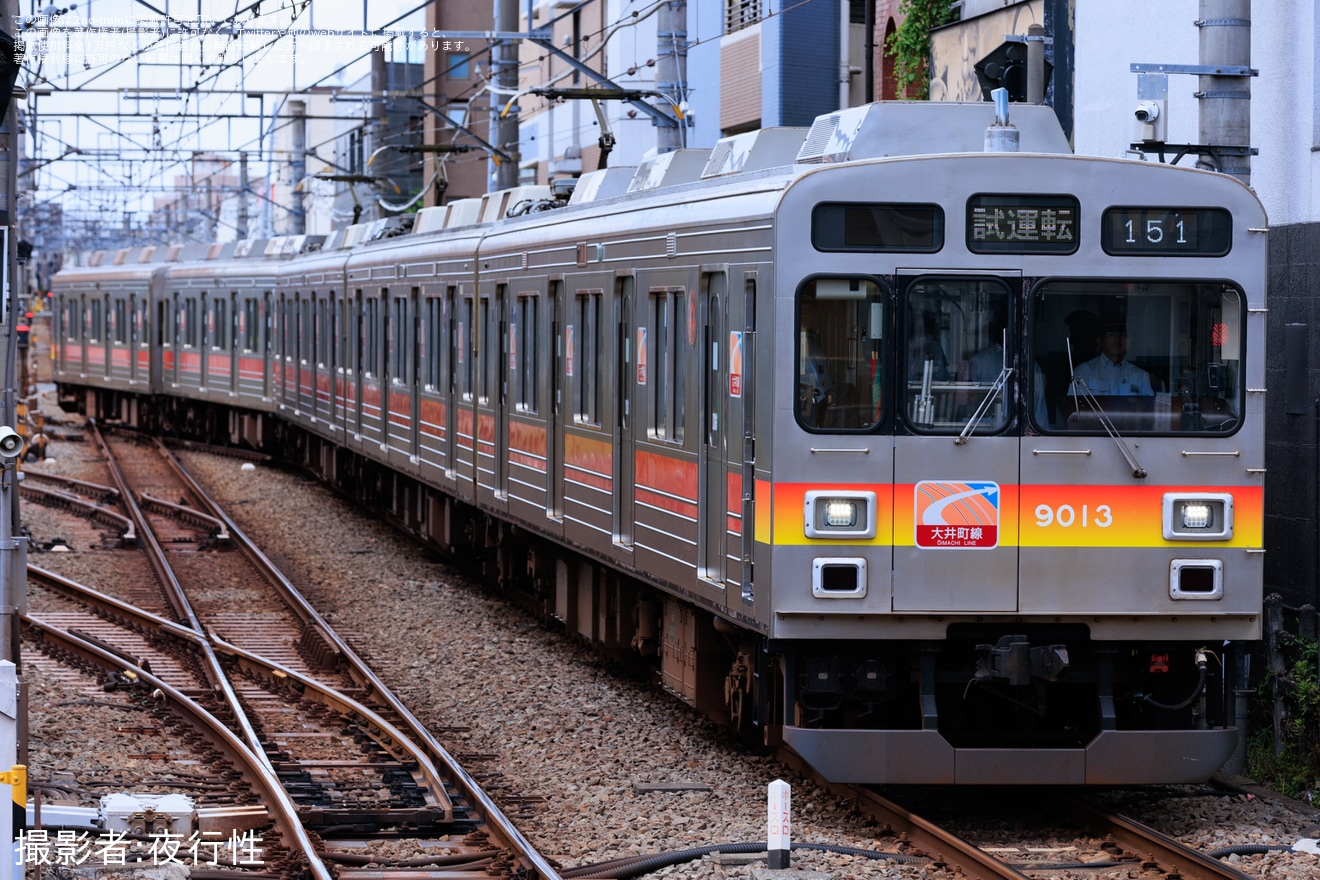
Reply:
x=939 y=465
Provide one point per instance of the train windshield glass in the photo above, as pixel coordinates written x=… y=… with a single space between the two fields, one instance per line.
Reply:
x=1146 y=357
x=959 y=355
x=839 y=359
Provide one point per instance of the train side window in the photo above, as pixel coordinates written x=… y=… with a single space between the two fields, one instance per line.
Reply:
x=250 y=324
x=959 y=355
x=524 y=333
x=1147 y=357
x=839 y=360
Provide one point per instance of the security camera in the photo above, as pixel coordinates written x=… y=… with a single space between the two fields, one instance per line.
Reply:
x=11 y=442
x=1147 y=111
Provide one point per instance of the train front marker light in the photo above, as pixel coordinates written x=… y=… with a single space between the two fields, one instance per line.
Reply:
x=1198 y=516
x=841 y=513
x=834 y=514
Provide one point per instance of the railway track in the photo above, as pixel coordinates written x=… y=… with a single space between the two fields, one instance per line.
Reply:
x=347 y=756
x=964 y=846
x=1124 y=858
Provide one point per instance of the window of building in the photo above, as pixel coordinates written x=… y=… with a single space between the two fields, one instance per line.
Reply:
x=739 y=14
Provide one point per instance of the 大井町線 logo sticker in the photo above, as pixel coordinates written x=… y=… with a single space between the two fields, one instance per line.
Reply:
x=957 y=514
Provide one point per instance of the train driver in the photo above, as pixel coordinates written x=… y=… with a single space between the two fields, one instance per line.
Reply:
x=1110 y=372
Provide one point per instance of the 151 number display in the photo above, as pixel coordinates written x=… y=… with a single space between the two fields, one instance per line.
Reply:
x=1141 y=231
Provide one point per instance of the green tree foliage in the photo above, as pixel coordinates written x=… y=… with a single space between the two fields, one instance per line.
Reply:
x=1296 y=769
x=909 y=44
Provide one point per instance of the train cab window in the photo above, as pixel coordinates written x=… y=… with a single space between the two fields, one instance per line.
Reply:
x=839 y=363
x=959 y=355
x=1154 y=357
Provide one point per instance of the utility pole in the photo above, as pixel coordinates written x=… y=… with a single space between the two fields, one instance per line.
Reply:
x=671 y=69
x=1225 y=101
x=298 y=163
x=13 y=557
x=504 y=129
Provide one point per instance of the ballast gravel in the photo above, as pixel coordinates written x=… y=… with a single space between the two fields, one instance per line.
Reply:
x=592 y=765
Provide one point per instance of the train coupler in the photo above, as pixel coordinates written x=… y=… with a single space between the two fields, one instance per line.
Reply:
x=1015 y=660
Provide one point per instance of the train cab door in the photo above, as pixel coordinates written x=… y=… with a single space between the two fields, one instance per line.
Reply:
x=714 y=471
x=624 y=385
x=956 y=448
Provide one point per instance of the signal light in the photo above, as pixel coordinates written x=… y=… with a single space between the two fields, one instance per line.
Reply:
x=1006 y=68
x=1158 y=663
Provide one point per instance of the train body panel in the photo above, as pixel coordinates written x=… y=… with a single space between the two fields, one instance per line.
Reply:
x=941 y=467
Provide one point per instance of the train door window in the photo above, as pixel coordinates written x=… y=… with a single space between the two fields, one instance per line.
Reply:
x=669 y=339
x=485 y=350
x=141 y=322
x=219 y=324
x=370 y=363
x=95 y=316
x=839 y=361
x=586 y=379
x=120 y=322
x=1153 y=357
x=188 y=321
x=462 y=358
x=348 y=329
x=523 y=333
x=959 y=355
x=398 y=340
x=431 y=342
x=250 y=325
x=324 y=334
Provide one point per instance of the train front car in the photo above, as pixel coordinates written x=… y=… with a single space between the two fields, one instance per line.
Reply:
x=1016 y=493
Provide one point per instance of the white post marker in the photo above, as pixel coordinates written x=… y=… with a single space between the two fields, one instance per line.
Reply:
x=778 y=801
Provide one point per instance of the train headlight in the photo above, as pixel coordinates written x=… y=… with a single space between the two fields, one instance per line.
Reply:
x=1198 y=516
x=840 y=514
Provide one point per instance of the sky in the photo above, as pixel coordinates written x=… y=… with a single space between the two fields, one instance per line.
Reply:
x=132 y=87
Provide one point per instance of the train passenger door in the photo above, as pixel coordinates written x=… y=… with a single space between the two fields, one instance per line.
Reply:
x=499 y=352
x=956 y=470
x=713 y=508
x=449 y=318
x=625 y=382
x=555 y=430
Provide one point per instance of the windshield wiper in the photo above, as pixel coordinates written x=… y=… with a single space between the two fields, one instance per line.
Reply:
x=1000 y=381
x=1080 y=388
